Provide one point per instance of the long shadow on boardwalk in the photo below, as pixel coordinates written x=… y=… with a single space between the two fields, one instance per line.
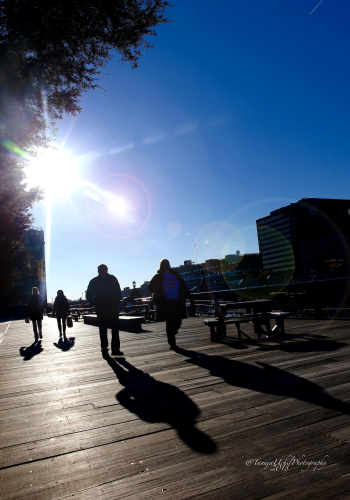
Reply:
x=154 y=401
x=65 y=345
x=266 y=379
x=31 y=351
x=310 y=345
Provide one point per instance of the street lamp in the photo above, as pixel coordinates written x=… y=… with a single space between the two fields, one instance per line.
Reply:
x=134 y=284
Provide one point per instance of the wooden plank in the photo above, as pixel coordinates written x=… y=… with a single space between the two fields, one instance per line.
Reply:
x=75 y=426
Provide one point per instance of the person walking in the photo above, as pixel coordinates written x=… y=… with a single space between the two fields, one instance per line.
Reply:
x=104 y=294
x=170 y=293
x=61 y=310
x=35 y=307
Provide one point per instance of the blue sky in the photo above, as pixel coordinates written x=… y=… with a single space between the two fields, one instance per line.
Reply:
x=240 y=108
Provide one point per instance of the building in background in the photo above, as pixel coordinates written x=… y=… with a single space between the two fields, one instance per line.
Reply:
x=34 y=274
x=308 y=237
x=222 y=274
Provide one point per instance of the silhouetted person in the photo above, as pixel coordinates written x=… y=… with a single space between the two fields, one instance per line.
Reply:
x=104 y=294
x=61 y=309
x=170 y=293
x=35 y=307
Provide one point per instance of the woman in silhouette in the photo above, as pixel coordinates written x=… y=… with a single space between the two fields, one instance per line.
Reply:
x=35 y=307
x=170 y=293
x=61 y=309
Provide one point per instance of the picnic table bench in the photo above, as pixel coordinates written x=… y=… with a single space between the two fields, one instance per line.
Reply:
x=126 y=323
x=76 y=312
x=256 y=312
x=142 y=308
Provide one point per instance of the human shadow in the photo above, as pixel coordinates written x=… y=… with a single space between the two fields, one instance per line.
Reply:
x=154 y=401
x=309 y=345
x=266 y=379
x=65 y=345
x=31 y=351
x=235 y=344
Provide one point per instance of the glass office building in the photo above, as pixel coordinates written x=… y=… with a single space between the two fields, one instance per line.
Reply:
x=309 y=236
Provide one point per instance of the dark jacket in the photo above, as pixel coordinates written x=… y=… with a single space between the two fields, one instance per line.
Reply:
x=35 y=307
x=61 y=306
x=156 y=288
x=104 y=295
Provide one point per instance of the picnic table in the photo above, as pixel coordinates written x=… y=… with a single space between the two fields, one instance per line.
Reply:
x=76 y=312
x=142 y=307
x=257 y=312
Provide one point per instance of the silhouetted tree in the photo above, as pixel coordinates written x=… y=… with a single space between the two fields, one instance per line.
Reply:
x=15 y=218
x=51 y=52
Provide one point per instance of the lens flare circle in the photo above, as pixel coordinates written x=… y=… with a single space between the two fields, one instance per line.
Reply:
x=174 y=228
x=122 y=207
x=217 y=239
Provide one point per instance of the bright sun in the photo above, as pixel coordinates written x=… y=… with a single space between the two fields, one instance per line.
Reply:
x=118 y=207
x=54 y=171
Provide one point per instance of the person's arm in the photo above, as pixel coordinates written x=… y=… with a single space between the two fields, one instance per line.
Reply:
x=187 y=293
x=68 y=307
x=152 y=285
x=90 y=294
x=29 y=306
x=118 y=291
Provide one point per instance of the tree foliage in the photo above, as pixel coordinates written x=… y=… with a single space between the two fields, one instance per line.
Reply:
x=15 y=218
x=51 y=52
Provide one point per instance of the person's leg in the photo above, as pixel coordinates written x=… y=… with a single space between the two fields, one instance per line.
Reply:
x=173 y=321
x=64 y=325
x=40 y=328
x=115 y=336
x=35 y=330
x=170 y=333
x=59 y=325
x=169 y=324
x=177 y=322
x=102 y=323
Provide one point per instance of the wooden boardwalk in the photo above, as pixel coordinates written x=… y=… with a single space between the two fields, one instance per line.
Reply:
x=202 y=423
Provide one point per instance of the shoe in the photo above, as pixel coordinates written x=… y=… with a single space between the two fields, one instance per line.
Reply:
x=105 y=354
x=40 y=335
x=65 y=339
x=174 y=347
x=117 y=353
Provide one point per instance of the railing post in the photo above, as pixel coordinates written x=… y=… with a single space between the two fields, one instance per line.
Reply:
x=221 y=327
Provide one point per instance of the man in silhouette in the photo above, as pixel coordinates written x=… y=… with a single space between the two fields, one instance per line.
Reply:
x=104 y=294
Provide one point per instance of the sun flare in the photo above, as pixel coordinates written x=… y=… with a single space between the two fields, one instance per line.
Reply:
x=118 y=207
x=54 y=171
